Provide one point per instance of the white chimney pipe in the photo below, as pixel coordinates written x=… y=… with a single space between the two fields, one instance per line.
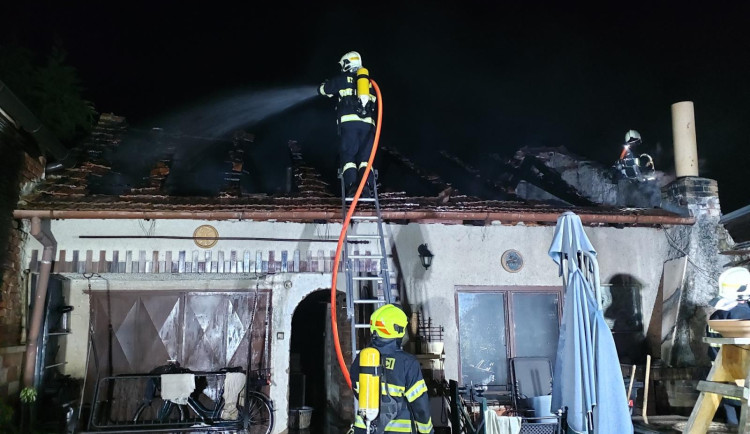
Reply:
x=683 y=136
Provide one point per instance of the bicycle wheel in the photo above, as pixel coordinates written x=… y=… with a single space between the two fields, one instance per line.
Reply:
x=259 y=413
x=162 y=413
x=139 y=411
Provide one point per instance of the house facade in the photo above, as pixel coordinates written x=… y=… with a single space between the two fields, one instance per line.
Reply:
x=166 y=297
x=244 y=280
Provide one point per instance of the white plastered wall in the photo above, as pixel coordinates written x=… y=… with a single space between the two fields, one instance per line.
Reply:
x=464 y=256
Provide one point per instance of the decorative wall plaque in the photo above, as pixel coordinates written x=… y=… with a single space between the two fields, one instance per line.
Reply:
x=512 y=261
x=202 y=233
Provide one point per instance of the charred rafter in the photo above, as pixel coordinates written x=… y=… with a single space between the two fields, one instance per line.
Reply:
x=499 y=186
x=307 y=180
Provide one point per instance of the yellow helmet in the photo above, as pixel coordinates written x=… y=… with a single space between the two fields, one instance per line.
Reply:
x=350 y=61
x=388 y=322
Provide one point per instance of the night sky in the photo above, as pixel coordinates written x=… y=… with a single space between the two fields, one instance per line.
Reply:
x=469 y=77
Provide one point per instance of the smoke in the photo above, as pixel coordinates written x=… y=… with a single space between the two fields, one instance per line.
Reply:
x=196 y=140
x=222 y=115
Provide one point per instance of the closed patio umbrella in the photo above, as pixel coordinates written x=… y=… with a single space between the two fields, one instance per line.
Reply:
x=587 y=377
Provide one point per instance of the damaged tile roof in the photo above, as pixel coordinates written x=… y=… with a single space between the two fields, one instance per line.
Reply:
x=124 y=173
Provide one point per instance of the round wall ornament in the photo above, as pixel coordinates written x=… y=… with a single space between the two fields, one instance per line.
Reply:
x=203 y=236
x=512 y=261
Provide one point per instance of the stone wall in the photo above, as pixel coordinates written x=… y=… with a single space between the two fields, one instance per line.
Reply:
x=701 y=244
x=11 y=359
x=13 y=286
x=11 y=304
x=700 y=196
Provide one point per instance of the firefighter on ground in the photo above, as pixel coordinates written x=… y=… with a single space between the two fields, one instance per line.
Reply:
x=404 y=405
x=355 y=111
x=734 y=292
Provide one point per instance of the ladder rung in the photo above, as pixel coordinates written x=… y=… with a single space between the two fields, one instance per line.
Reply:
x=368 y=301
x=365 y=256
x=362 y=326
x=363 y=237
x=723 y=389
x=58 y=333
x=60 y=364
x=361 y=199
x=364 y=217
x=367 y=278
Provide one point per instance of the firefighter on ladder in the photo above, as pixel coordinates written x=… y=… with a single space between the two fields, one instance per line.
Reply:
x=392 y=395
x=355 y=107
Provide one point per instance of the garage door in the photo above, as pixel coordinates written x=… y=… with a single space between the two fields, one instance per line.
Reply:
x=203 y=331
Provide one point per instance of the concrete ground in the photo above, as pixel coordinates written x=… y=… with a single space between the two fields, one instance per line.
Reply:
x=331 y=424
x=674 y=425
x=657 y=425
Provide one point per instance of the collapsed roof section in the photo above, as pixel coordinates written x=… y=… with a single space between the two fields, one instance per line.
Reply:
x=126 y=173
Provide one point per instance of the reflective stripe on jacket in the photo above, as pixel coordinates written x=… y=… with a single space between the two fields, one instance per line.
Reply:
x=402 y=380
x=343 y=87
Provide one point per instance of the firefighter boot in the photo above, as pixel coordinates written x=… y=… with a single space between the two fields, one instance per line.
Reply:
x=368 y=191
x=349 y=177
x=351 y=189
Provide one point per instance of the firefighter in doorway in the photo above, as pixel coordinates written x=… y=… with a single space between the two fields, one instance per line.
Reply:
x=404 y=405
x=355 y=109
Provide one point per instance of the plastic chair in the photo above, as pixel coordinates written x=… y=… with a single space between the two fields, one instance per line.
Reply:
x=531 y=379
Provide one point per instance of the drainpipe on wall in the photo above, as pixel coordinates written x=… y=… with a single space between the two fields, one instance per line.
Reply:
x=39 y=230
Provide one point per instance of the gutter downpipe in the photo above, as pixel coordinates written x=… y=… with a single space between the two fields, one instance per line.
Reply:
x=39 y=230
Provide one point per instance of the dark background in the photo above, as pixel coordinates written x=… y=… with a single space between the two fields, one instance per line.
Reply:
x=469 y=77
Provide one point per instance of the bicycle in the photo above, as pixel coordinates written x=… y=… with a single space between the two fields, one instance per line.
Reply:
x=257 y=417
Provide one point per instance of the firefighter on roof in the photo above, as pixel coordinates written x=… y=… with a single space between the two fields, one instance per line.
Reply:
x=633 y=166
x=355 y=108
x=404 y=406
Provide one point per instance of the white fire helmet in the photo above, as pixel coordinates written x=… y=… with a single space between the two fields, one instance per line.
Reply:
x=734 y=283
x=632 y=137
x=350 y=62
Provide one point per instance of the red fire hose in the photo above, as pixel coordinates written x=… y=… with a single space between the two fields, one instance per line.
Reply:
x=342 y=236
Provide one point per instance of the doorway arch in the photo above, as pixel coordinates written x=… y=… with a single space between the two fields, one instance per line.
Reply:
x=314 y=377
x=307 y=355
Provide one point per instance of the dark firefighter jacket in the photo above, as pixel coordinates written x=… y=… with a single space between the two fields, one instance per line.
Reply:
x=348 y=105
x=402 y=380
x=741 y=311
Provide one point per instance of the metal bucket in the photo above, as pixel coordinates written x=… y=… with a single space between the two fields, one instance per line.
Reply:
x=300 y=417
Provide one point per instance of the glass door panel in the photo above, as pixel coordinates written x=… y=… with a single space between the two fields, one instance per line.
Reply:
x=535 y=324
x=482 y=341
